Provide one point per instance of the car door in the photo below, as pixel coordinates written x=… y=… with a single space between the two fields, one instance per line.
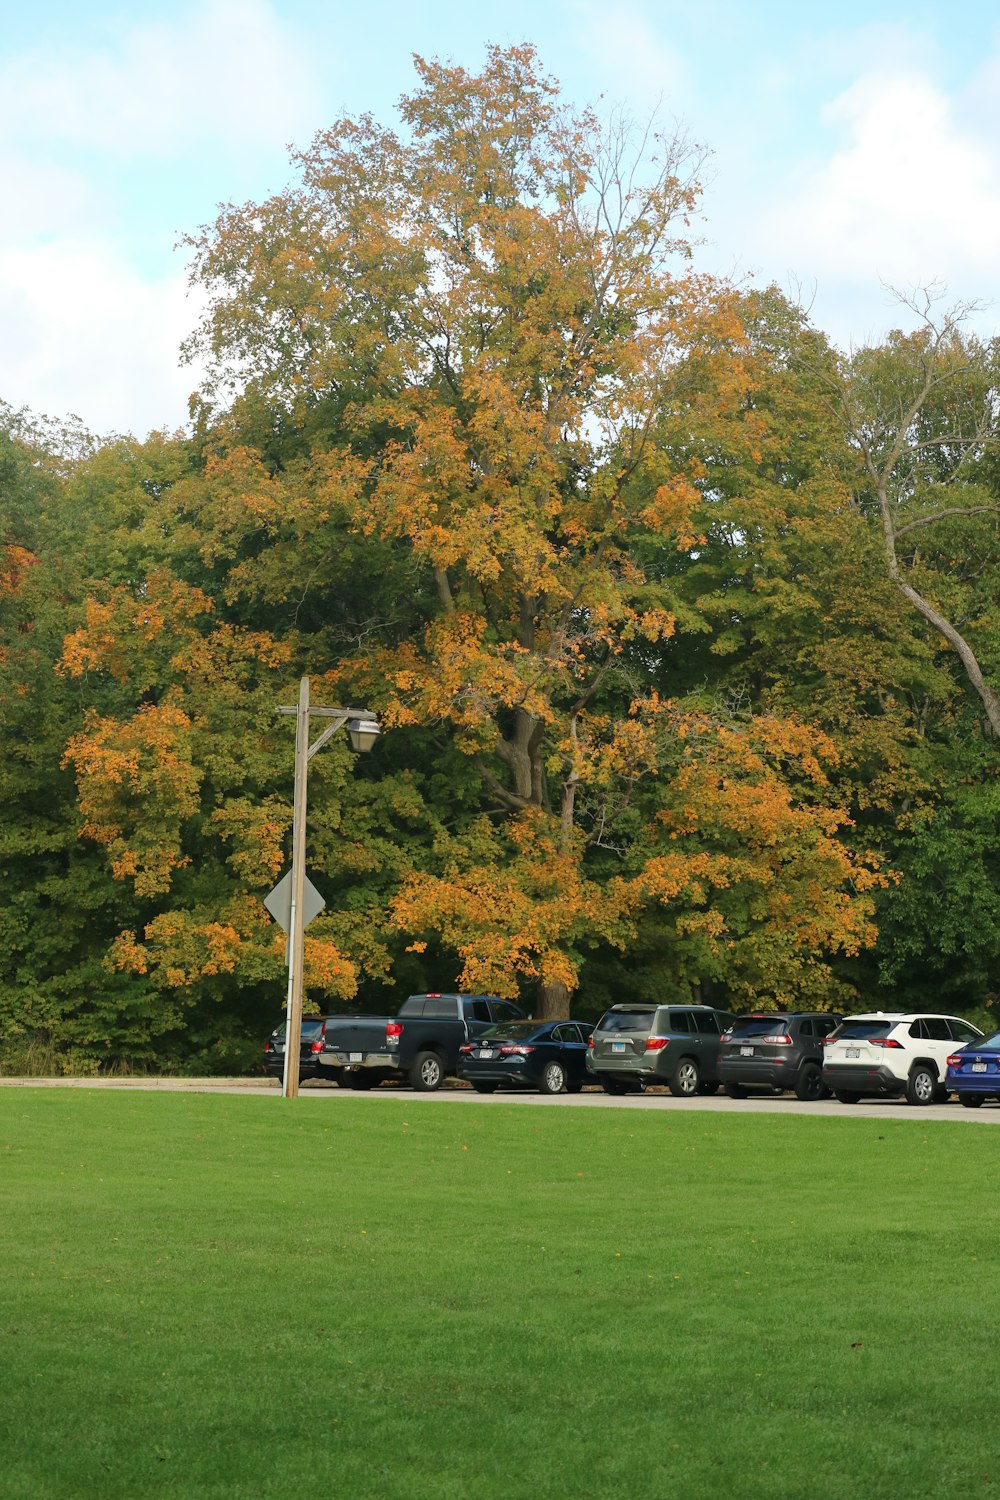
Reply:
x=572 y=1050
x=937 y=1040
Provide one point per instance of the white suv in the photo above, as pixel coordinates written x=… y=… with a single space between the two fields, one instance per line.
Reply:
x=888 y=1053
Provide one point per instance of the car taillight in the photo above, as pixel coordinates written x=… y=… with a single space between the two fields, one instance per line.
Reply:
x=465 y=1047
x=954 y=1061
x=884 y=1041
x=590 y=1041
x=779 y=1040
x=393 y=1031
x=515 y=1051
x=316 y=1047
x=657 y=1043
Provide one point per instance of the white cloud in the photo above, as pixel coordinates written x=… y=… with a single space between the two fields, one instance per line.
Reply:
x=83 y=333
x=225 y=71
x=908 y=194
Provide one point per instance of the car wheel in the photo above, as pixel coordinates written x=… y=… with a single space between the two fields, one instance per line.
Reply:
x=846 y=1096
x=809 y=1084
x=362 y=1080
x=921 y=1085
x=614 y=1086
x=708 y=1088
x=553 y=1078
x=427 y=1073
x=343 y=1079
x=735 y=1091
x=973 y=1101
x=684 y=1084
x=486 y=1088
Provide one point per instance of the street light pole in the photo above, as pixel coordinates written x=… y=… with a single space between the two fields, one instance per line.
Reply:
x=362 y=730
x=296 y=931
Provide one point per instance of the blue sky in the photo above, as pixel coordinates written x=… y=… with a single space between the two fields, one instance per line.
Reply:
x=852 y=146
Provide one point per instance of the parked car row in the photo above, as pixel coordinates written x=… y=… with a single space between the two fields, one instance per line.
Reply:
x=690 y=1049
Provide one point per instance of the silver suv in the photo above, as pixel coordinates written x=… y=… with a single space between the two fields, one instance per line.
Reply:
x=634 y=1045
x=885 y=1052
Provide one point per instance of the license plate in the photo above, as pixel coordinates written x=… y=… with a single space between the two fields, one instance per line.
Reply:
x=356 y=1056
x=618 y=1046
x=486 y=1052
x=853 y=1052
x=746 y=1052
x=980 y=1067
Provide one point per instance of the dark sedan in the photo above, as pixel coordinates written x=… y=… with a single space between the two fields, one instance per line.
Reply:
x=546 y=1055
x=274 y=1049
x=974 y=1072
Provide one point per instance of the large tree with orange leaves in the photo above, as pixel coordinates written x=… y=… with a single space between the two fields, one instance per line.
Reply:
x=456 y=343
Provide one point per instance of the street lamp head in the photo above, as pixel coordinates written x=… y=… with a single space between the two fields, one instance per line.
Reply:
x=362 y=731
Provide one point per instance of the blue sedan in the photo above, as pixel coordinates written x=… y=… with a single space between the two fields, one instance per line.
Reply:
x=546 y=1055
x=974 y=1072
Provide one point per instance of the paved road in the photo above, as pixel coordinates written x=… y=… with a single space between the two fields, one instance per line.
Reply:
x=323 y=1096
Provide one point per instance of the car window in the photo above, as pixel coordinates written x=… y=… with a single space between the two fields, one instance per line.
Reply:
x=680 y=1020
x=481 y=1010
x=705 y=1022
x=508 y=1031
x=806 y=1026
x=991 y=1043
x=859 y=1031
x=440 y=1006
x=825 y=1024
x=503 y=1011
x=757 y=1026
x=567 y=1033
x=625 y=1020
x=936 y=1029
x=963 y=1032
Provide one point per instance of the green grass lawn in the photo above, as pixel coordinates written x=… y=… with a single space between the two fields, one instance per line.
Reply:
x=229 y=1297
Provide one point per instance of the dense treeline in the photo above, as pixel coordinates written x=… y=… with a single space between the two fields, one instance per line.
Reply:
x=684 y=627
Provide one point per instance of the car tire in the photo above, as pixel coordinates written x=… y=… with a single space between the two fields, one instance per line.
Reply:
x=553 y=1079
x=615 y=1086
x=735 y=1090
x=343 y=1079
x=708 y=1088
x=809 y=1084
x=363 y=1080
x=684 y=1083
x=973 y=1101
x=846 y=1096
x=427 y=1073
x=921 y=1086
x=486 y=1088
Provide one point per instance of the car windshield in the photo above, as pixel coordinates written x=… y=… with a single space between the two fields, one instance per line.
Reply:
x=626 y=1020
x=758 y=1026
x=858 y=1031
x=988 y=1043
x=509 y=1031
x=310 y=1027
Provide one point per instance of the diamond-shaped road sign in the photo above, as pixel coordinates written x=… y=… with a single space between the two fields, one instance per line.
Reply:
x=279 y=902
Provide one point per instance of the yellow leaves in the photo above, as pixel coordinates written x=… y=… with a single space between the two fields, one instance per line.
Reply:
x=14 y=564
x=116 y=629
x=137 y=788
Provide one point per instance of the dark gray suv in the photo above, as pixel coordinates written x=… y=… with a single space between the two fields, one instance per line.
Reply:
x=637 y=1044
x=777 y=1051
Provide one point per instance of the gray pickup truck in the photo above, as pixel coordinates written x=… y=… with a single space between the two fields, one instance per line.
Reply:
x=420 y=1044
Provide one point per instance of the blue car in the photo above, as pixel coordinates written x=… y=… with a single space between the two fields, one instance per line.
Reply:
x=546 y=1055
x=974 y=1072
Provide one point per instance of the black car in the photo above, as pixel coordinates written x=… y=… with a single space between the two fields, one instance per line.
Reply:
x=776 y=1051
x=311 y=1042
x=544 y=1055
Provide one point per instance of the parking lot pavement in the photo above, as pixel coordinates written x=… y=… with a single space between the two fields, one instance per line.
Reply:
x=591 y=1098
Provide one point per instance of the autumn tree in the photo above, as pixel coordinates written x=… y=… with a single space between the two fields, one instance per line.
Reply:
x=471 y=327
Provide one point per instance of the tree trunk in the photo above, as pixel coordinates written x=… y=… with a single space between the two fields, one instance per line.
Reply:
x=553 y=1001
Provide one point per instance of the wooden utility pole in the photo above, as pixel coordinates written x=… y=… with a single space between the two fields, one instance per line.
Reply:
x=362 y=729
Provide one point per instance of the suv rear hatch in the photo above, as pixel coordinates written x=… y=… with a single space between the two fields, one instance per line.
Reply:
x=860 y=1042
x=620 y=1038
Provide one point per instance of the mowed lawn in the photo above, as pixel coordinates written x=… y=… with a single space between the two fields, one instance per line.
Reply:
x=227 y=1297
